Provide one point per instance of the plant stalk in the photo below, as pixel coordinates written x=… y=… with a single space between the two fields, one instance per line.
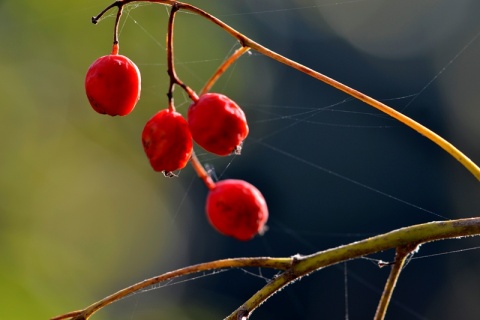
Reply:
x=404 y=237
x=247 y=42
x=397 y=267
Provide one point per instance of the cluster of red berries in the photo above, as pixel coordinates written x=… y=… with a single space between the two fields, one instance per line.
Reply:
x=215 y=122
x=167 y=136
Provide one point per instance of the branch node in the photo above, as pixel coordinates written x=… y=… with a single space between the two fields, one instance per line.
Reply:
x=295 y=259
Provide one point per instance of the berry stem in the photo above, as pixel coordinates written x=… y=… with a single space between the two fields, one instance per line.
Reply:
x=247 y=42
x=225 y=65
x=171 y=65
x=115 y=48
x=115 y=30
x=119 y=4
x=201 y=172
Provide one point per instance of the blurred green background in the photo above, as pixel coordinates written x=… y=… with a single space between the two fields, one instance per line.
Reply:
x=83 y=215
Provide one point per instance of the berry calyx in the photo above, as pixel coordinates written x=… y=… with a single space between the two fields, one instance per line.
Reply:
x=236 y=208
x=167 y=141
x=113 y=85
x=217 y=123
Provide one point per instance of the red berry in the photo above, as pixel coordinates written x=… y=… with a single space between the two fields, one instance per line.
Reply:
x=167 y=141
x=113 y=85
x=236 y=208
x=217 y=124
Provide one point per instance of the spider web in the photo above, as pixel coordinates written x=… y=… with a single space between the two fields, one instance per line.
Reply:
x=332 y=170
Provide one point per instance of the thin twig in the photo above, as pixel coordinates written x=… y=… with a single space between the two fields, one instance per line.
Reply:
x=118 y=4
x=263 y=262
x=400 y=257
x=404 y=237
x=115 y=30
x=225 y=65
x=201 y=172
x=247 y=42
x=299 y=266
x=174 y=79
x=170 y=64
x=69 y=315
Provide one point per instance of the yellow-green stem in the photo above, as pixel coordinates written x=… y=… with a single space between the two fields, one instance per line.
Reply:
x=263 y=262
x=247 y=42
x=405 y=237
x=444 y=144
x=225 y=65
x=400 y=258
x=299 y=266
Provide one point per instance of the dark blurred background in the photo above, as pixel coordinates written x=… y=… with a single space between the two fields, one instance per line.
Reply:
x=82 y=214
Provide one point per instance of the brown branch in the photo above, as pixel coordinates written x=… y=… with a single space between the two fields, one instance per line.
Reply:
x=299 y=266
x=404 y=237
x=200 y=170
x=174 y=79
x=225 y=65
x=263 y=262
x=247 y=42
x=397 y=267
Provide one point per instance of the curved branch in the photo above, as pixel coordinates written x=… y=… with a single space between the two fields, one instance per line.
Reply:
x=298 y=266
x=262 y=262
x=404 y=237
x=247 y=42
x=171 y=66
